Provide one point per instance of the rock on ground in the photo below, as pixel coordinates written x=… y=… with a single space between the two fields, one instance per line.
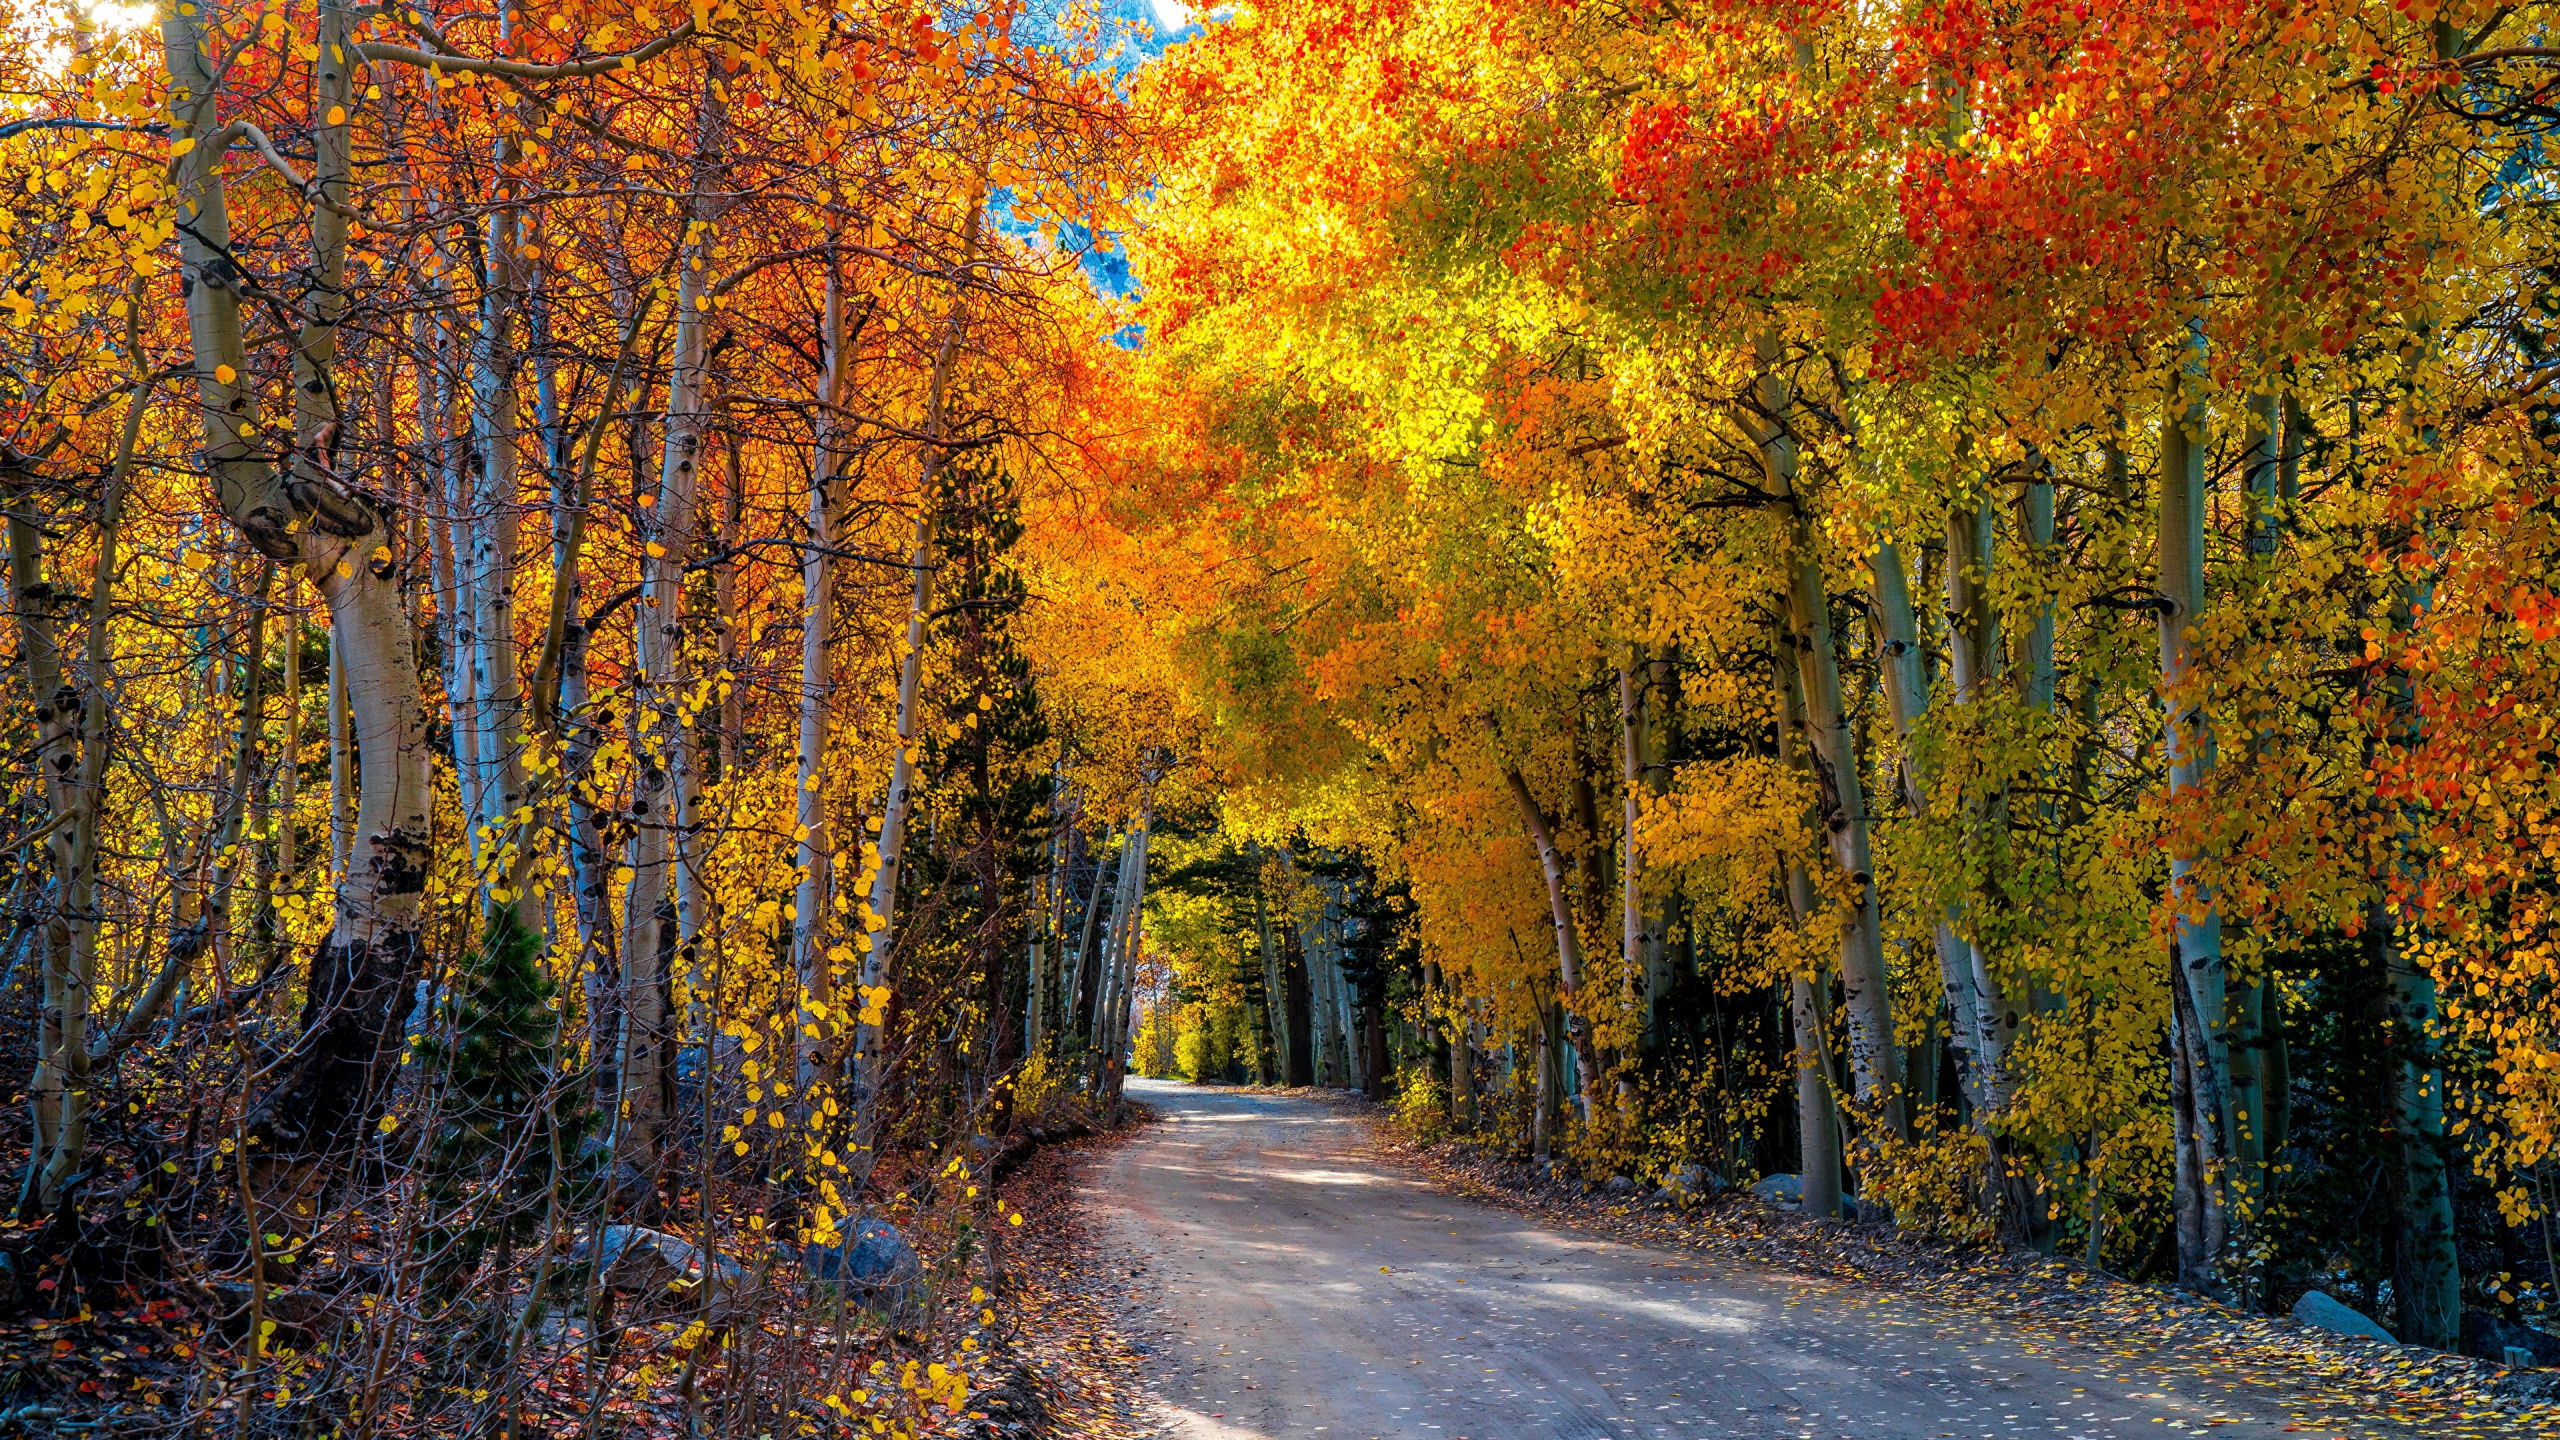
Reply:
x=2324 y=1311
x=637 y=1260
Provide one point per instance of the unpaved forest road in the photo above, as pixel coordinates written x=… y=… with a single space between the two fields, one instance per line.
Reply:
x=1266 y=1237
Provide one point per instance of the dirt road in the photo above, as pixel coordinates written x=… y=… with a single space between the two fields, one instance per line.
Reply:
x=1298 y=1291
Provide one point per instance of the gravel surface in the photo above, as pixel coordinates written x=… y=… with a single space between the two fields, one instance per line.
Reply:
x=1285 y=1277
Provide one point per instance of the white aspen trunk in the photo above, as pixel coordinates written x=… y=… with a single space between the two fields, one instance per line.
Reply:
x=1635 y=959
x=1544 y=1102
x=1132 y=942
x=814 y=845
x=1076 y=1024
x=1324 y=988
x=317 y=1102
x=65 y=707
x=1906 y=690
x=724 y=604
x=288 y=772
x=1355 y=1053
x=1817 y=1109
x=882 y=911
x=1107 y=976
x=1462 y=1073
x=1035 y=982
x=449 y=533
x=1874 y=1054
x=1654 y=761
x=2039 y=679
x=1049 y=939
x=1274 y=984
x=658 y=718
x=2196 y=954
x=341 y=812
x=1817 y=1104
x=2261 y=472
x=599 y=957
x=559 y=705
x=496 y=720
x=1568 y=944
x=1320 y=1069
x=1973 y=663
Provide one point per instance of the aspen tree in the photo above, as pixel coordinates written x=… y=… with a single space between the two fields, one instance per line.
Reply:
x=309 y=518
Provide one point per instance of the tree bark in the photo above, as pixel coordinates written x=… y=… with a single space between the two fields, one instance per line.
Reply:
x=1634 y=934
x=868 y=1053
x=1906 y=690
x=1133 y=940
x=1078 y=1012
x=814 y=844
x=317 y=1099
x=1818 y=1134
x=2196 y=947
x=69 y=710
x=496 y=720
x=659 y=744
x=1274 y=986
x=1874 y=1055
x=1973 y=626
x=1568 y=943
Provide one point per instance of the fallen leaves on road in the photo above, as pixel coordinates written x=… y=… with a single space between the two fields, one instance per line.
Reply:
x=1065 y=1293
x=2138 y=1334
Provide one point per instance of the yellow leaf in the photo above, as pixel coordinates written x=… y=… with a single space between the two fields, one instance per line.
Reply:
x=224 y=374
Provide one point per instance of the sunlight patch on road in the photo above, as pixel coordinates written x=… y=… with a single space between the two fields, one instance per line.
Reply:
x=1733 y=1317
x=1327 y=1177
x=1199 y=1425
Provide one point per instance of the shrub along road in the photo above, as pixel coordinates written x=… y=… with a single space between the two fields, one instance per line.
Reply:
x=1294 y=1286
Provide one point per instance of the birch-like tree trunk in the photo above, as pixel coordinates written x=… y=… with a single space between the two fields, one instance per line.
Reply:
x=1274 y=983
x=1347 y=1029
x=1973 y=625
x=2196 y=944
x=2426 y=1272
x=1462 y=1073
x=1906 y=691
x=317 y=1098
x=1047 y=945
x=1323 y=1066
x=659 y=744
x=495 y=720
x=868 y=1053
x=1079 y=1022
x=1653 y=765
x=341 y=773
x=1875 y=1056
x=813 y=843
x=559 y=705
x=1132 y=942
x=2261 y=471
x=69 y=706
x=289 y=766
x=1636 y=954
x=1568 y=943
x=1818 y=1147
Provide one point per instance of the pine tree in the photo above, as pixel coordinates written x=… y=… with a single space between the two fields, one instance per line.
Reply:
x=505 y=1112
